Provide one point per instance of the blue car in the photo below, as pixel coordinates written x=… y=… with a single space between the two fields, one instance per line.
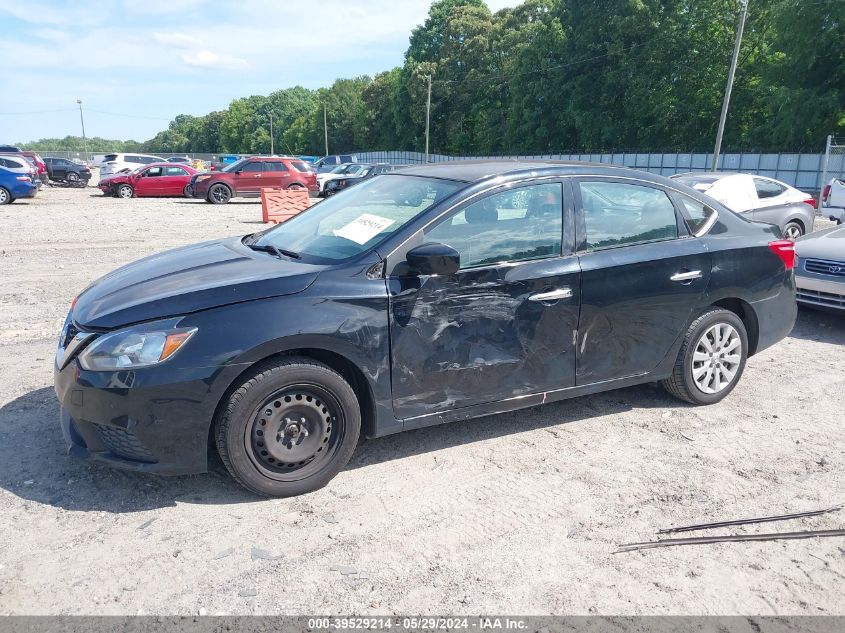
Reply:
x=14 y=185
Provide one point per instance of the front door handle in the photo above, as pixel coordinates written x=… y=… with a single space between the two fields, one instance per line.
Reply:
x=687 y=276
x=552 y=295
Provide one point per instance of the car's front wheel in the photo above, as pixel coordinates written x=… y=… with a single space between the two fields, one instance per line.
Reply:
x=125 y=191
x=219 y=194
x=289 y=428
x=711 y=359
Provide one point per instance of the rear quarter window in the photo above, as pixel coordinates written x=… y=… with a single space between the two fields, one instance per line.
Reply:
x=299 y=165
x=696 y=214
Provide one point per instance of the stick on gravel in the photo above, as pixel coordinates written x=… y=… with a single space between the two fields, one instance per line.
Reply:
x=730 y=538
x=781 y=517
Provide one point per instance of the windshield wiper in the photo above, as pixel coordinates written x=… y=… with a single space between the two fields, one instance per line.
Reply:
x=278 y=252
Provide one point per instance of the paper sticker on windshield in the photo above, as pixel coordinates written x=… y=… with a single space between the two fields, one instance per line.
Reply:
x=364 y=228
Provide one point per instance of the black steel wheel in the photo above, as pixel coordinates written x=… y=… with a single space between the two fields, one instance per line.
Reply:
x=289 y=428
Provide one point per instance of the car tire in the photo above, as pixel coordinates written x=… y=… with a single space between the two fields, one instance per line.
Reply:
x=289 y=428
x=295 y=185
x=72 y=178
x=708 y=356
x=793 y=230
x=5 y=196
x=219 y=194
x=188 y=191
x=125 y=191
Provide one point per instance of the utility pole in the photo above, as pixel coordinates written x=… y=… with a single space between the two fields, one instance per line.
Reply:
x=272 y=152
x=427 y=117
x=325 y=129
x=82 y=121
x=825 y=163
x=729 y=87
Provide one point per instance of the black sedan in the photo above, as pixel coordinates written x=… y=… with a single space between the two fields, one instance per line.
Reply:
x=67 y=171
x=344 y=182
x=438 y=293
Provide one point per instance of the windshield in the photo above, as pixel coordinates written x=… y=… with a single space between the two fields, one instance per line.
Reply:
x=234 y=166
x=354 y=169
x=359 y=218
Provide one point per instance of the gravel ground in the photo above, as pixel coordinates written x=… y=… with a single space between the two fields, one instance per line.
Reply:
x=515 y=513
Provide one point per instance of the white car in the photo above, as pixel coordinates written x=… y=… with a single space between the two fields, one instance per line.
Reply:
x=340 y=171
x=20 y=165
x=833 y=199
x=759 y=199
x=113 y=163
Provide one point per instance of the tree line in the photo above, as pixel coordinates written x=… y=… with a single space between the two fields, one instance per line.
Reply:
x=560 y=75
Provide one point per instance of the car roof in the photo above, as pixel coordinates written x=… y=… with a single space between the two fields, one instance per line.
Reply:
x=476 y=170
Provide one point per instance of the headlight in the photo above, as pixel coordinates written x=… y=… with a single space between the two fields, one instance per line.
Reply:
x=132 y=348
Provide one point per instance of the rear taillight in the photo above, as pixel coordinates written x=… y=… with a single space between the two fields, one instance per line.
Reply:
x=826 y=193
x=24 y=178
x=811 y=202
x=785 y=249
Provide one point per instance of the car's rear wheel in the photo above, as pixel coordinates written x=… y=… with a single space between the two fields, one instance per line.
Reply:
x=125 y=191
x=711 y=359
x=289 y=428
x=219 y=194
x=793 y=230
x=72 y=178
x=5 y=196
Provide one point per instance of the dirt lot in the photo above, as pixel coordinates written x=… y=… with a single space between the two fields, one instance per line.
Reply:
x=517 y=513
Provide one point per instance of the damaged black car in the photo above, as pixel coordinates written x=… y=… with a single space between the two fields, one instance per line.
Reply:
x=427 y=295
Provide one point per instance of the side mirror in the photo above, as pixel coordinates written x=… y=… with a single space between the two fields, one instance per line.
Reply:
x=433 y=259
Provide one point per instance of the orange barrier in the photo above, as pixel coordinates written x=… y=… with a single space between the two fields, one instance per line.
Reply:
x=280 y=205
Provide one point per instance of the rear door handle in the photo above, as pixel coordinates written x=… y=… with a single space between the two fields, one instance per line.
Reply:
x=552 y=295
x=687 y=276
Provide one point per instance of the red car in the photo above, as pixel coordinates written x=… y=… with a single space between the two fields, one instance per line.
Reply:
x=248 y=176
x=150 y=181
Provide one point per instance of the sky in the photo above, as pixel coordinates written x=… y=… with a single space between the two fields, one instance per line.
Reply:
x=136 y=64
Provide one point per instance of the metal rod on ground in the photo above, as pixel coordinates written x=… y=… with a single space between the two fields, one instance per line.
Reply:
x=781 y=517
x=272 y=153
x=729 y=87
x=730 y=538
x=325 y=129
x=427 y=117
x=824 y=170
x=82 y=121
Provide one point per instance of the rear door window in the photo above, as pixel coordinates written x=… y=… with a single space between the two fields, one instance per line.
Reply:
x=767 y=188
x=275 y=165
x=619 y=214
x=175 y=171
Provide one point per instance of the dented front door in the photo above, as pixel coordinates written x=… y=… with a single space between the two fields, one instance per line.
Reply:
x=490 y=331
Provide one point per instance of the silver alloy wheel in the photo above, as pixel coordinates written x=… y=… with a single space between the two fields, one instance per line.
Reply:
x=792 y=231
x=717 y=357
x=4 y=196
x=72 y=177
x=124 y=191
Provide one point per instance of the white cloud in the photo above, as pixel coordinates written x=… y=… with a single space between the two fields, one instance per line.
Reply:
x=209 y=59
x=177 y=40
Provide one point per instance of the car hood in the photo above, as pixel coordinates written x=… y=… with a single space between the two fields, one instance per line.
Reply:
x=827 y=244
x=188 y=279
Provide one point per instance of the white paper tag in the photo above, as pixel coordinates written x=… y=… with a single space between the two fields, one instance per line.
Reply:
x=364 y=228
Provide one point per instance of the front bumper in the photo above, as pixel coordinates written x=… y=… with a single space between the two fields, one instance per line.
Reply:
x=152 y=420
x=824 y=293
